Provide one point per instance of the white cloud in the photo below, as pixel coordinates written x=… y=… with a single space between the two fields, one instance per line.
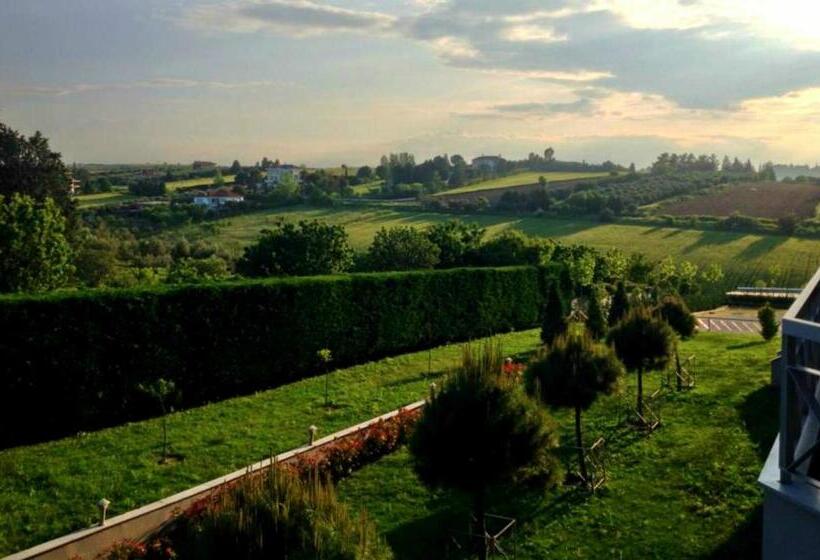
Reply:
x=531 y=32
x=454 y=48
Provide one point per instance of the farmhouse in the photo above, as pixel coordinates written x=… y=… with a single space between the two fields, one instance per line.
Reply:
x=275 y=175
x=487 y=163
x=217 y=198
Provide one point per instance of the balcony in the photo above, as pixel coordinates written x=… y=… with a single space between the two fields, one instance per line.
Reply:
x=791 y=475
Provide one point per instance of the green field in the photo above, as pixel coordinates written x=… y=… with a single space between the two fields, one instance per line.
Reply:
x=687 y=491
x=49 y=489
x=691 y=483
x=97 y=200
x=364 y=189
x=525 y=178
x=745 y=257
x=199 y=182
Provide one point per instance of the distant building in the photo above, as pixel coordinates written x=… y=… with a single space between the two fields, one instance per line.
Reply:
x=217 y=198
x=74 y=187
x=275 y=175
x=487 y=163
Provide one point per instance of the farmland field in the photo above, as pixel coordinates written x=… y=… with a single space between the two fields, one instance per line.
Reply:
x=744 y=257
x=761 y=200
x=526 y=178
x=199 y=182
x=103 y=199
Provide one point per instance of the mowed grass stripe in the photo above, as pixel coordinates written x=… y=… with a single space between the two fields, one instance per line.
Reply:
x=525 y=178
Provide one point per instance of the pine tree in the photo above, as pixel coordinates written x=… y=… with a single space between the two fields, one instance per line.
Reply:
x=553 y=320
x=620 y=304
x=596 y=323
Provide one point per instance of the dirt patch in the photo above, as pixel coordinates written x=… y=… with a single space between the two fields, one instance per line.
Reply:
x=761 y=200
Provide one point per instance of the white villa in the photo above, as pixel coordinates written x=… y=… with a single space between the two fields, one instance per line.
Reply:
x=791 y=475
x=217 y=198
x=275 y=175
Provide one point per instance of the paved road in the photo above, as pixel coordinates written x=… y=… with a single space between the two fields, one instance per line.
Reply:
x=717 y=324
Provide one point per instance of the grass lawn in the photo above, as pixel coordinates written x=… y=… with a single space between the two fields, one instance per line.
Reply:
x=198 y=182
x=525 y=178
x=103 y=199
x=744 y=257
x=687 y=491
x=49 y=489
x=364 y=189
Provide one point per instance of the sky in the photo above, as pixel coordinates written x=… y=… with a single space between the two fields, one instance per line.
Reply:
x=326 y=82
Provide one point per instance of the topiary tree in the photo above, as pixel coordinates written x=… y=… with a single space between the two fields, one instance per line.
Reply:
x=674 y=311
x=554 y=314
x=620 y=304
x=643 y=342
x=572 y=372
x=596 y=323
x=480 y=430
x=768 y=322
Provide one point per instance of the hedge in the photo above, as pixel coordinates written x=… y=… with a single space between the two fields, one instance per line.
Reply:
x=73 y=362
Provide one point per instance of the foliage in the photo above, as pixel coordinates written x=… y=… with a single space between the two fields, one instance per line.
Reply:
x=34 y=252
x=620 y=304
x=276 y=514
x=768 y=322
x=480 y=429
x=554 y=314
x=512 y=247
x=148 y=187
x=303 y=249
x=674 y=311
x=402 y=248
x=219 y=340
x=163 y=391
x=596 y=322
x=458 y=242
x=29 y=168
x=189 y=270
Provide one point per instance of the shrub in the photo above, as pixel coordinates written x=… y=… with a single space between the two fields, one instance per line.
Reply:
x=303 y=249
x=81 y=355
x=596 y=323
x=768 y=322
x=276 y=515
x=480 y=430
x=620 y=304
x=674 y=311
x=402 y=248
x=554 y=315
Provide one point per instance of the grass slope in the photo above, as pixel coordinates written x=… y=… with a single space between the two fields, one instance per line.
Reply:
x=744 y=257
x=198 y=182
x=97 y=200
x=687 y=491
x=525 y=178
x=49 y=489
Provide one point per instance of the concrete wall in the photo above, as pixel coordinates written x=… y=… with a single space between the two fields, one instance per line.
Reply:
x=790 y=531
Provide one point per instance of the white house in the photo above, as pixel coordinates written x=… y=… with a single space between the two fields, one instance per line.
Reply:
x=217 y=198
x=275 y=175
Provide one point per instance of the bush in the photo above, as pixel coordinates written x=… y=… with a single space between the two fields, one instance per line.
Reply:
x=81 y=356
x=768 y=322
x=402 y=248
x=276 y=515
x=303 y=249
x=674 y=311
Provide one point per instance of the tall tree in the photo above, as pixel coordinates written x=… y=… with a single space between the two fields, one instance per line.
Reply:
x=572 y=372
x=29 y=167
x=402 y=248
x=34 y=252
x=644 y=343
x=620 y=304
x=596 y=322
x=554 y=314
x=480 y=430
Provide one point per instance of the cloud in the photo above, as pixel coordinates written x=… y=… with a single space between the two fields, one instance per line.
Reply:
x=155 y=83
x=582 y=105
x=299 y=18
x=529 y=32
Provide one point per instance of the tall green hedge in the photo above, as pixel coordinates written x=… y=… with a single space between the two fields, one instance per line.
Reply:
x=72 y=362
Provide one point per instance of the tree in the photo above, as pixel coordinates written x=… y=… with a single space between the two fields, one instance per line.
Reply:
x=162 y=390
x=189 y=270
x=481 y=430
x=675 y=312
x=303 y=249
x=458 y=242
x=787 y=224
x=596 y=322
x=236 y=167
x=34 y=252
x=549 y=155
x=29 y=167
x=364 y=173
x=402 y=248
x=219 y=180
x=572 y=372
x=554 y=314
x=513 y=247
x=643 y=343
x=620 y=304
x=96 y=259
x=768 y=322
